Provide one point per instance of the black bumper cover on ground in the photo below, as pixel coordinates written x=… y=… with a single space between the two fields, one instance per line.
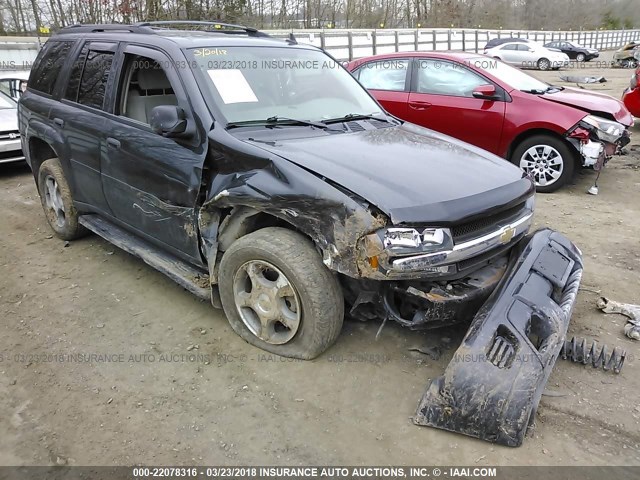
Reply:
x=492 y=386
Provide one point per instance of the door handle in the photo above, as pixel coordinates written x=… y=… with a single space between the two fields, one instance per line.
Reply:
x=59 y=122
x=418 y=105
x=113 y=143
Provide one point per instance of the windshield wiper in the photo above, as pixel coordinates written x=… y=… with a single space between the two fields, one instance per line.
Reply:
x=539 y=91
x=356 y=116
x=277 y=120
x=535 y=91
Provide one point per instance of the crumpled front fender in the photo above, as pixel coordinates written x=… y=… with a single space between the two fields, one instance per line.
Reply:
x=491 y=388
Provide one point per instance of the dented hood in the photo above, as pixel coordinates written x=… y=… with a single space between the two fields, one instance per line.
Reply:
x=591 y=102
x=412 y=174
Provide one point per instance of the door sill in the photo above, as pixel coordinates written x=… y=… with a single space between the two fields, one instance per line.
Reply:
x=192 y=279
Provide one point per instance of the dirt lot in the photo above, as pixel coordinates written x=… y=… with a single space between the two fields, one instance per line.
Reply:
x=174 y=385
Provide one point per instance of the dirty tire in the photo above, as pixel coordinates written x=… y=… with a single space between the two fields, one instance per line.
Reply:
x=318 y=292
x=581 y=57
x=567 y=158
x=544 y=64
x=65 y=224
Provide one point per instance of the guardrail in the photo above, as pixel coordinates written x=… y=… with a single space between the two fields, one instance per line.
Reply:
x=350 y=44
x=355 y=43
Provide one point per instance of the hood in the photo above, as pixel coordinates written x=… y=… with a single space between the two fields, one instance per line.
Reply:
x=591 y=102
x=412 y=174
x=8 y=119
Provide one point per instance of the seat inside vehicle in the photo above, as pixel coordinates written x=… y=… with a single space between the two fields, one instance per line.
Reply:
x=148 y=88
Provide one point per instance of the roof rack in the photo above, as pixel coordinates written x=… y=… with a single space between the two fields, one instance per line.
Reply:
x=217 y=26
x=114 y=27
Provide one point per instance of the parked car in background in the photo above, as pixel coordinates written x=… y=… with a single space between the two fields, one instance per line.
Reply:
x=545 y=130
x=13 y=83
x=631 y=96
x=10 y=146
x=626 y=55
x=494 y=42
x=573 y=50
x=529 y=55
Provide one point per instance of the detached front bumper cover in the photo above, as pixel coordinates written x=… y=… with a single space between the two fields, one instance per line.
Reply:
x=492 y=387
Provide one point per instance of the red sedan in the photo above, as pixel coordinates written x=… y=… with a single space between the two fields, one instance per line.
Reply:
x=546 y=130
x=631 y=96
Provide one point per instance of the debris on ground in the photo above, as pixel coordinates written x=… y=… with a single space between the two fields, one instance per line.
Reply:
x=632 y=328
x=578 y=79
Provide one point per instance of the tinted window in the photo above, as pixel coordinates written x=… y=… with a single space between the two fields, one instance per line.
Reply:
x=384 y=75
x=76 y=72
x=95 y=75
x=445 y=78
x=509 y=47
x=523 y=47
x=47 y=68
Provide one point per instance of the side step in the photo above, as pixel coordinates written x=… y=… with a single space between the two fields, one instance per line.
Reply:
x=177 y=270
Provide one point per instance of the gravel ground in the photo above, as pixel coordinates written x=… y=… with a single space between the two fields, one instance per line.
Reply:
x=174 y=385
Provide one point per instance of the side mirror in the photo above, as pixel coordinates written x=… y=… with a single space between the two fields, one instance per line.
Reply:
x=168 y=120
x=485 y=92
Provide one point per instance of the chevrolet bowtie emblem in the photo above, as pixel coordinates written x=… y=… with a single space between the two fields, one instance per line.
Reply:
x=507 y=235
x=13 y=135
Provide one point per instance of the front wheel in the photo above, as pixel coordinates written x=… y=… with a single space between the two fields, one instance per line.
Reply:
x=279 y=296
x=547 y=160
x=544 y=64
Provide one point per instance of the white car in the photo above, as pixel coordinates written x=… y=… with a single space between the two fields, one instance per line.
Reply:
x=13 y=83
x=529 y=55
x=10 y=145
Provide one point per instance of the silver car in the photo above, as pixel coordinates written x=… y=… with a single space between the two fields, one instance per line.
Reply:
x=10 y=146
x=529 y=55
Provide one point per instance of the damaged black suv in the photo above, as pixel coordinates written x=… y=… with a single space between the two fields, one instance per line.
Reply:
x=260 y=175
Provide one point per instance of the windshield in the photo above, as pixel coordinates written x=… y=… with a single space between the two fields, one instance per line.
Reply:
x=6 y=101
x=260 y=83
x=512 y=76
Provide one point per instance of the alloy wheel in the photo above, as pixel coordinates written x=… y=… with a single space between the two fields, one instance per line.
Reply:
x=543 y=163
x=267 y=302
x=53 y=200
x=544 y=64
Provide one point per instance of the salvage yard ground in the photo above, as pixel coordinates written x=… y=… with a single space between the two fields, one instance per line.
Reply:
x=172 y=384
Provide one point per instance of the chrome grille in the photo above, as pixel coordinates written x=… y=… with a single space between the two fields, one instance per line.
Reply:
x=10 y=135
x=477 y=228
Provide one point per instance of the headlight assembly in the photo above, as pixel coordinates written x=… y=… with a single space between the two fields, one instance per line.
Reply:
x=397 y=242
x=607 y=130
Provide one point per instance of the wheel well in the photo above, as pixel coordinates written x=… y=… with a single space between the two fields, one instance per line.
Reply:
x=39 y=151
x=240 y=221
x=539 y=131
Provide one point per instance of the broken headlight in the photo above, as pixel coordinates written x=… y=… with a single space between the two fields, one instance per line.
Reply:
x=607 y=130
x=398 y=242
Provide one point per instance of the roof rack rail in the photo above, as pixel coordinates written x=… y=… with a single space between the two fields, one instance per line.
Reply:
x=114 y=27
x=217 y=26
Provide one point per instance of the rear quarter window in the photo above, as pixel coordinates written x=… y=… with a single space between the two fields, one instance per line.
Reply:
x=48 y=65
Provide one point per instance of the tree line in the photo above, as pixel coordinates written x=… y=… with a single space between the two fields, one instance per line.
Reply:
x=27 y=16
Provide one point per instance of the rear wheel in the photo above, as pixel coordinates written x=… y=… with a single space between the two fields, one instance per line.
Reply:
x=279 y=296
x=547 y=160
x=544 y=64
x=581 y=57
x=57 y=202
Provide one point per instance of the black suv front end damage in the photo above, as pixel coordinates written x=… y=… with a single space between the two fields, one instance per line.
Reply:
x=493 y=385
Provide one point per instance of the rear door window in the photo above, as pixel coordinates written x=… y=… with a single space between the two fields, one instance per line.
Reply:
x=95 y=76
x=46 y=69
